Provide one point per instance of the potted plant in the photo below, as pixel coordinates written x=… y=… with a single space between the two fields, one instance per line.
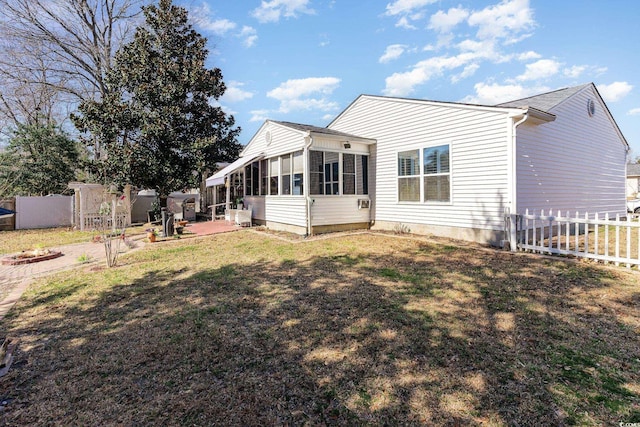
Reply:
x=152 y=234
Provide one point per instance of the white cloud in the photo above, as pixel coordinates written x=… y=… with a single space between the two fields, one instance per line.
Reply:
x=399 y=7
x=392 y=52
x=220 y=26
x=407 y=11
x=614 y=91
x=444 y=22
x=541 y=69
x=575 y=71
x=272 y=11
x=203 y=19
x=505 y=20
x=404 y=23
x=402 y=84
x=491 y=94
x=526 y=56
x=234 y=92
x=305 y=94
x=634 y=112
x=249 y=35
x=468 y=71
x=259 y=115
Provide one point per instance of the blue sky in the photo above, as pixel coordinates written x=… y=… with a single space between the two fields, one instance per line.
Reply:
x=306 y=60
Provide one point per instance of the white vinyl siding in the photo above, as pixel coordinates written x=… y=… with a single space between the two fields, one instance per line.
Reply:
x=576 y=163
x=479 y=141
x=286 y=210
x=327 y=210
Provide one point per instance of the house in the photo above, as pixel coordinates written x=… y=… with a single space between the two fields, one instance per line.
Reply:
x=633 y=180
x=441 y=168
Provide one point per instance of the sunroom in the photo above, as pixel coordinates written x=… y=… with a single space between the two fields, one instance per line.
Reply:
x=303 y=179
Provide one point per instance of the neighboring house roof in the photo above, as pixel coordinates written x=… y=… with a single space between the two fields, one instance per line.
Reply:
x=633 y=169
x=315 y=129
x=545 y=101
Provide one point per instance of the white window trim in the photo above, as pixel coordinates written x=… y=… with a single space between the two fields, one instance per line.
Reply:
x=422 y=175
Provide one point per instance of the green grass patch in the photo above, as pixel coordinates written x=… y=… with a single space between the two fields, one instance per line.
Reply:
x=354 y=330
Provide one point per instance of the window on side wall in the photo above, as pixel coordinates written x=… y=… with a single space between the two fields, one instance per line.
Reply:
x=409 y=176
x=437 y=175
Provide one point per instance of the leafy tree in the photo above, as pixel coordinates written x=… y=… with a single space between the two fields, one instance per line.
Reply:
x=157 y=125
x=39 y=160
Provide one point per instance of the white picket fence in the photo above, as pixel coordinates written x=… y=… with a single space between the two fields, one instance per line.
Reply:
x=603 y=238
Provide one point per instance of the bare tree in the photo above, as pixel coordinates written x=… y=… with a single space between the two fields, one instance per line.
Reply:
x=55 y=53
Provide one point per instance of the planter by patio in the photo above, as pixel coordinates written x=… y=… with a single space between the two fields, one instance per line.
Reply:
x=29 y=257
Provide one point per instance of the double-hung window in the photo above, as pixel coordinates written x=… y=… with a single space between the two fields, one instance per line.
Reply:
x=409 y=176
x=437 y=175
x=424 y=175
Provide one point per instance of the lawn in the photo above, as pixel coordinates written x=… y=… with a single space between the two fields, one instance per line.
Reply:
x=22 y=240
x=248 y=329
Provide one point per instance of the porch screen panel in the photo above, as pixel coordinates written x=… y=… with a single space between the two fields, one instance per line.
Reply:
x=286 y=174
x=348 y=174
x=264 y=177
x=255 y=178
x=409 y=176
x=362 y=174
x=248 y=181
x=316 y=172
x=274 y=174
x=331 y=173
x=298 y=173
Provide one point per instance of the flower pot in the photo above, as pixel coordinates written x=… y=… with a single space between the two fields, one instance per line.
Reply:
x=179 y=229
x=151 y=237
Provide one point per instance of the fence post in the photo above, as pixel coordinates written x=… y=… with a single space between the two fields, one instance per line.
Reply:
x=629 y=240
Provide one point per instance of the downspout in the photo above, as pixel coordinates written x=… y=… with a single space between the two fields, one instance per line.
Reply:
x=514 y=163
x=308 y=140
x=513 y=182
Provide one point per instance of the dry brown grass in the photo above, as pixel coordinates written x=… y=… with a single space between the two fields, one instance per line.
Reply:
x=246 y=329
x=22 y=240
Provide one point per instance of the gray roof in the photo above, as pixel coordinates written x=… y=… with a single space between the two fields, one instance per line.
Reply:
x=545 y=101
x=633 y=169
x=316 y=129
